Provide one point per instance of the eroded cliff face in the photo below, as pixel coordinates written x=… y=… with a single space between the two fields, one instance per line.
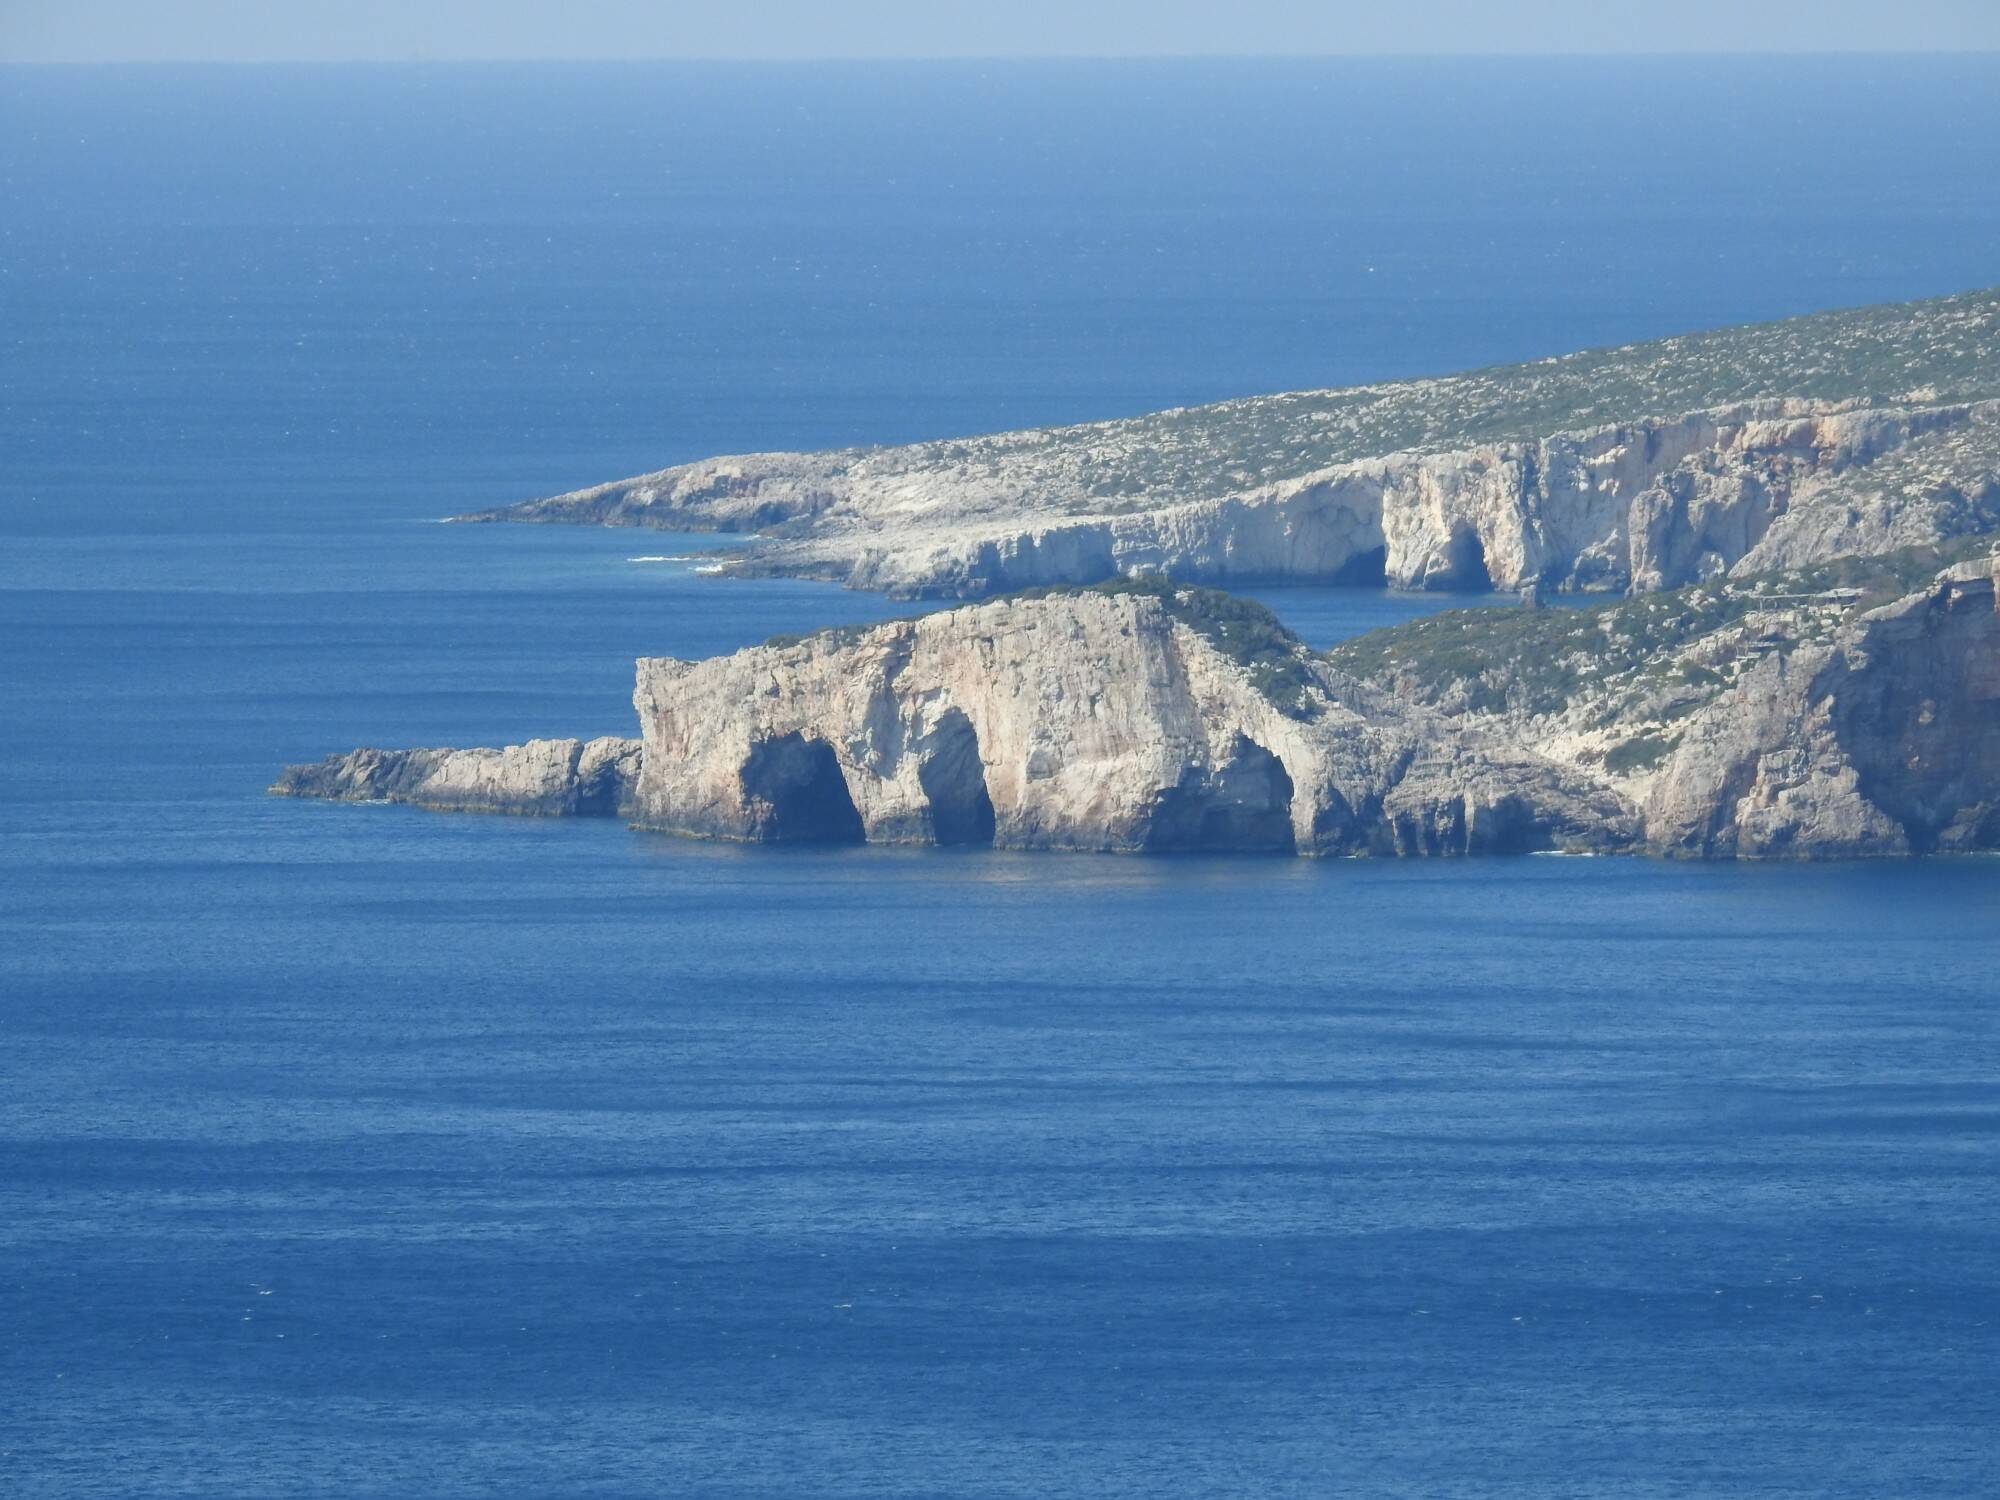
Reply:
x=1637 y=506
x=1633 y=469
x=1916 y=709
x=1776 y=717
x=1080 y=721
x=1883 y=740
x=1752 y=725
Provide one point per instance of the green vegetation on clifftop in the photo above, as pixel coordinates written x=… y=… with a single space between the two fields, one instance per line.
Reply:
x=1249 y=634
x=1541 y=661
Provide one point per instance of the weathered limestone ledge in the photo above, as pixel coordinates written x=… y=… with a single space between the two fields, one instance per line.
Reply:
x=1636 y=506
x=1136 y=721
x=542 y=778
x=1638 y=468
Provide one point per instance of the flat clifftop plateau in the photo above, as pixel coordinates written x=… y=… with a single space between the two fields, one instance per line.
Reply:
x=1638 y=468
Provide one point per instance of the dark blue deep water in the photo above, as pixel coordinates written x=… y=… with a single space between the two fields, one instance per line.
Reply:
x=367 y=1152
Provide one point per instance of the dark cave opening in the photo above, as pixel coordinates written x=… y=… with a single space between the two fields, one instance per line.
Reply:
x=1364 y=570
x=1466 y=565
x=1242 y=807
x=797 y=794
x=954 y=782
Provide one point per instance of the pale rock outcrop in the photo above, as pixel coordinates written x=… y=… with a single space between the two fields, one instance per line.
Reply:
x=1115 y=721
x=1884 y=741
x=547 y=778
x=1637 y=506
x=1760 y=772
x=1638 y=468
x=1943 y=484
x=1080 y=721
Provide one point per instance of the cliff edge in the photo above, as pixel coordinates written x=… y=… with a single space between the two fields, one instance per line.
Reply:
x=1645 y=467
x=1796 y=715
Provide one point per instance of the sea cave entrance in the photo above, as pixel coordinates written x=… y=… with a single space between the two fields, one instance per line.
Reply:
x=1465 y=565
x=1242 y=807
x=797 y=795
x=953 y=779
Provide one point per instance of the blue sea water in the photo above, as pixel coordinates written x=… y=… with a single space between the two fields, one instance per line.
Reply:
x=368 y=1152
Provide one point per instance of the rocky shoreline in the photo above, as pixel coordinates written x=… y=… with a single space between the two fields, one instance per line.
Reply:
x=1612 y=471
x=1144 y=718
x=1793 y=652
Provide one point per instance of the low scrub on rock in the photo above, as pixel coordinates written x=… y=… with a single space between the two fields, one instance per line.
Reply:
x=1277 y=662
x=1541 y=661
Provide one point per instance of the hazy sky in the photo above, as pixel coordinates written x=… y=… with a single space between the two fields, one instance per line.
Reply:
x=255 y=30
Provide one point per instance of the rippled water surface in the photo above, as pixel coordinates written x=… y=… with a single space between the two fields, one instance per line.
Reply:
x=364 y=1151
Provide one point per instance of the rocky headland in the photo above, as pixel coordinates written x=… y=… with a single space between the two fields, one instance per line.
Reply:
x=1791 y=716
x=542 y=778
x=1780 y=638
x=1639 y=468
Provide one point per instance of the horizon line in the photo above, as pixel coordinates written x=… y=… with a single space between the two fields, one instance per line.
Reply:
x=751 y=60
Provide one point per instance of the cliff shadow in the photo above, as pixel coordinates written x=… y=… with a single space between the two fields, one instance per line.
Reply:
x=797 y=794
x=1465 y=567
x=953 y=779
x=1243 y=806
x=1921 y=722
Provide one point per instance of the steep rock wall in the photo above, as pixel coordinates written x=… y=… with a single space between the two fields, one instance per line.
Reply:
x=1886 y=741
x=1639 y=506
x=1108 y=721
x=1071 y=722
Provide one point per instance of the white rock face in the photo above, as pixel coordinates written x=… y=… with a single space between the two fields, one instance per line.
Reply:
x=1095 y=721
x=547 y=778
x=1761 y=772
x=1639 y=505
x=1638 y=468
x=1072 y=722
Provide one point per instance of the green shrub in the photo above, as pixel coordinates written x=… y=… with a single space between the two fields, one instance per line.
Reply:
x=1640 y=753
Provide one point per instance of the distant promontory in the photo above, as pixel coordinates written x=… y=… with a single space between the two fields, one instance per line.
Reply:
x=1780 y=639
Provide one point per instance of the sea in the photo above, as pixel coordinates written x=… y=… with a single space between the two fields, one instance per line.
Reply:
x=368 y=1152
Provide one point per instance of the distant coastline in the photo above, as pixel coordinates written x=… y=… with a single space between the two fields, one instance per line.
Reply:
x=1802 y=664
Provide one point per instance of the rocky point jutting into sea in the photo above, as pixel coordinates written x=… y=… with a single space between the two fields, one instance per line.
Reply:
x=1794 y=652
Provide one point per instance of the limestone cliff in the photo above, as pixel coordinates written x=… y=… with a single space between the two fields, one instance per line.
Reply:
x=1099 y=720
x=1788 y=679
x=1790 y=716
x=1143 y=720
x=1639 y=468
x=1884 y=740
